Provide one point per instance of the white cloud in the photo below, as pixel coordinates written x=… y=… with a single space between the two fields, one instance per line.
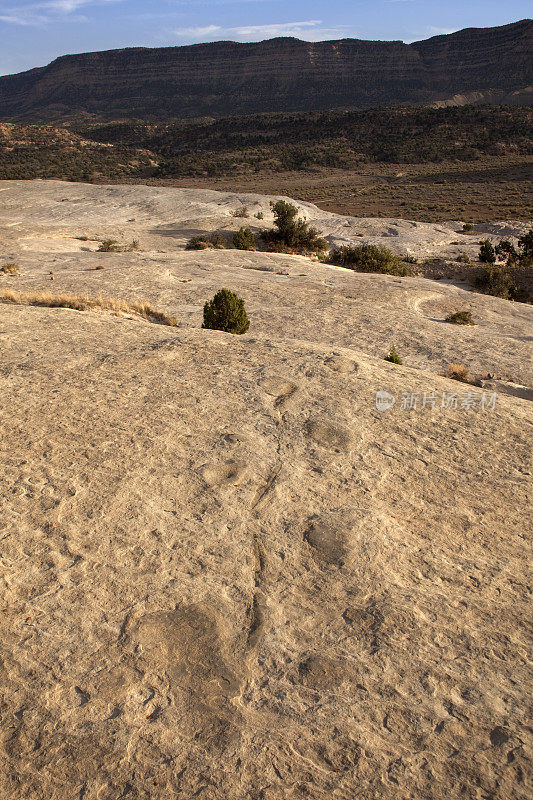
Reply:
x=62 y=6
x=309 y=29
x=206 y=31
x=39 y=12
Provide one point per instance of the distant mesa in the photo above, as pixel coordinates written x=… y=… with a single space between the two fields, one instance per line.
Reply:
x=474 y=65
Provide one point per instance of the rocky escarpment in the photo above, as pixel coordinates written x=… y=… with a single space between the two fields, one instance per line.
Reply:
x=281 y=74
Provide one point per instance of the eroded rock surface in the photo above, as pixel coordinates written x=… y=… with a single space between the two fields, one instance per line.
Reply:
x=225 y=573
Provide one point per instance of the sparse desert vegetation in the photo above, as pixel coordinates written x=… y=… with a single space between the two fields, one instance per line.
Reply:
x=331 y=139
x=469 y=162
x=497 y=281
x=112 y=246
x=109 y=246
x=241 y=212
x=512 y=280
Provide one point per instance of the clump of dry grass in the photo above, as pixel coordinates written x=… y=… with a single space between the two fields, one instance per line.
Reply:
x=458 y=372
x=240 y=212
x=10 y=269
x=83 y=303
x=109 y=246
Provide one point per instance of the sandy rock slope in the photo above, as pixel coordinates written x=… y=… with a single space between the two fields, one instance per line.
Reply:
x=225 y=573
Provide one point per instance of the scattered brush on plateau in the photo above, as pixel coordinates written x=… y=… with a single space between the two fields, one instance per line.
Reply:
x=423 y=163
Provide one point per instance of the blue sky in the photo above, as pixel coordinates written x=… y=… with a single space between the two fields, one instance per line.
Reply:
x=33 y=32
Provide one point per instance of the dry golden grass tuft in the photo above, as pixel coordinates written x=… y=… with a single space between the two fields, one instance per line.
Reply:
x=10 y=269
x=77 y=302
x=458 y=372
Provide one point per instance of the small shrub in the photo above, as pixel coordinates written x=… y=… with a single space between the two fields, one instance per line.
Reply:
x=496 y=281
x=99 y=266
x=468 y=227
x=226 y=312
x=460 y=318
x=369 y=258
x=198 y=243
x=259 y=215
x=487 y=253
x=506 y=250
x=393 y=356
x=109 y=246
x=525 y=244
x=10 y=269
x=241 y=212
x=463 y=258
x=206 y=241
x=293 y=235
x=244 y=239
x=82 y=238
x=408 y=259
x=457 y=372
x=133 y=246
x=220 y=240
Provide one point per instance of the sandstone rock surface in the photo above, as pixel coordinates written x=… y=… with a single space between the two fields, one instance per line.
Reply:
x=225 y=573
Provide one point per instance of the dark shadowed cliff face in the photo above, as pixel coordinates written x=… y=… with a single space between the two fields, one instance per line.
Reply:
x=226 y=78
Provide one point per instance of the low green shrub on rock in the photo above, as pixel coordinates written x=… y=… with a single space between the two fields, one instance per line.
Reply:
x=496 y=281
x=487 y=253
x=208 y=241
x=291 y=234
x=369 y=258
x=460 y=318
x=226 y=312
x=244 y=239
x=393 y=356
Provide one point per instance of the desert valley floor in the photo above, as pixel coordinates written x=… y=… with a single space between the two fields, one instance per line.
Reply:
x=225 y=573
